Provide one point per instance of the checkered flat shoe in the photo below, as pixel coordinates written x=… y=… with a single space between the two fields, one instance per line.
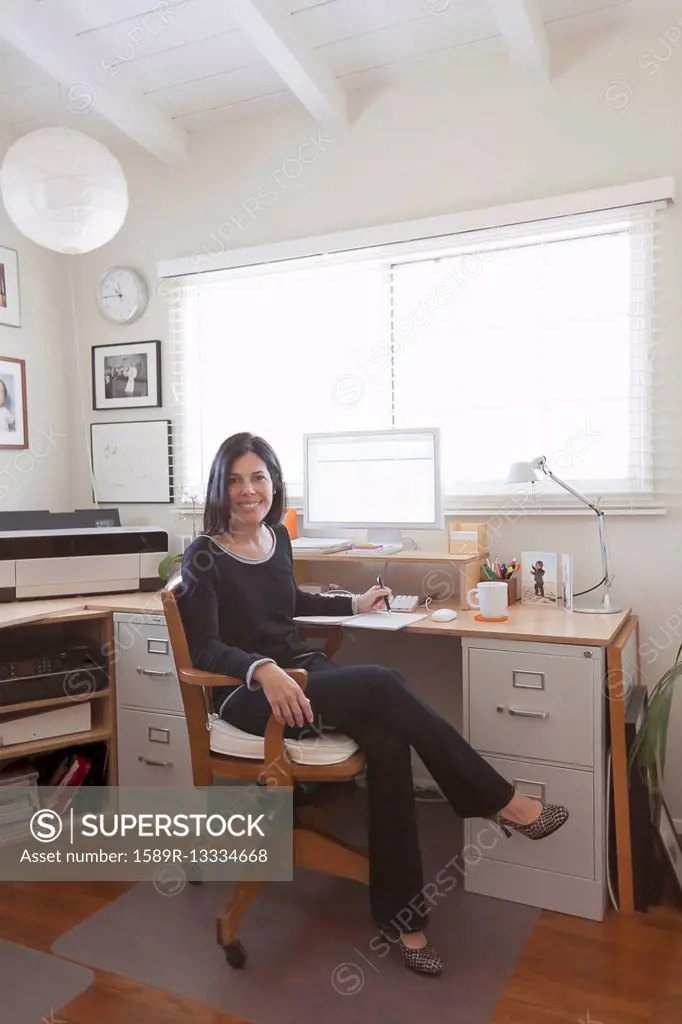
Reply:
x=552 y=817
x=423 y=961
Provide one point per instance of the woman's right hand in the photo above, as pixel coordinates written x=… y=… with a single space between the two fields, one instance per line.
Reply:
x=286 y=698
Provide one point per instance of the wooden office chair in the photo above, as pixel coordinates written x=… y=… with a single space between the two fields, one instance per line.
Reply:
x=311 y=848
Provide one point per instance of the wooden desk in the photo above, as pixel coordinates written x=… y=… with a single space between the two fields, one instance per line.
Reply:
x=615 y=633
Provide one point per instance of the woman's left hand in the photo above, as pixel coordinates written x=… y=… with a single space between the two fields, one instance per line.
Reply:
x=373 y=599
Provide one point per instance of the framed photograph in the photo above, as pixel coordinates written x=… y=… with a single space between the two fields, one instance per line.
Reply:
x=670 y=842
x=539 y=581
x=132 y=462
x=567 y=582
x=126 y=376
x=10 y=305
x=13 y=416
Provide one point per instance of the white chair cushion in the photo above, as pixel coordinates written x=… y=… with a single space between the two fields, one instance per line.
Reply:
x=329 y=748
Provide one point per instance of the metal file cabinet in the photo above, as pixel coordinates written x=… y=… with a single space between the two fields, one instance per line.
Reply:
x=153 y=744
x=536 y=713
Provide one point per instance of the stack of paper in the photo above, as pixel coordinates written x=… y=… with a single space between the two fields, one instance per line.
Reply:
x=366 y=620
x=319 y=545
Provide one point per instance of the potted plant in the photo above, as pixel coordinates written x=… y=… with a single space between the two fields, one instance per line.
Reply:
x=166 y=564
x=649 y=747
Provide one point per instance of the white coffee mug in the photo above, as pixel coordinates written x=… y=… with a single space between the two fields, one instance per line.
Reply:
x=490 y=598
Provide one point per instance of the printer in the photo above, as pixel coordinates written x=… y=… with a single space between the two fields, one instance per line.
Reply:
x=66 y=554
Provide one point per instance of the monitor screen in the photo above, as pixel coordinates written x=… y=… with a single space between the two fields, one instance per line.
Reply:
x=373 y=478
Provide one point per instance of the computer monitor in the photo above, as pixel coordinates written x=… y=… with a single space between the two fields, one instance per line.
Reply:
x=383 y=481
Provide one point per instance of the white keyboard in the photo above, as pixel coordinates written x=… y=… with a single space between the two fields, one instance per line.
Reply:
x=404 y=603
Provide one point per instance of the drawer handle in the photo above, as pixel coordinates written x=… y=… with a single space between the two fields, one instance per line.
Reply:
x=153 y=672
x=155 y=764
x=519 y=713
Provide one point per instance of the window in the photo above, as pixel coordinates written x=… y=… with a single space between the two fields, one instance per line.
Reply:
x=531 y=339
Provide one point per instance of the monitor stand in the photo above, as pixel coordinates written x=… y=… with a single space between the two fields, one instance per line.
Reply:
x=389 y=540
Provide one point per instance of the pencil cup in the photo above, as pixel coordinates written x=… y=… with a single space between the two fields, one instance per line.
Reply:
x=490 y=598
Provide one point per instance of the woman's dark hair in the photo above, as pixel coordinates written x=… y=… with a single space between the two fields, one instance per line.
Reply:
x=217 y=506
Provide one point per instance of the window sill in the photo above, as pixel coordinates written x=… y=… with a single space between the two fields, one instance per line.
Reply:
x=513 y=512
x=516 y=512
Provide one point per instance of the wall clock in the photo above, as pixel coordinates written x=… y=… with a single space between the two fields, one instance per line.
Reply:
x=122 y=295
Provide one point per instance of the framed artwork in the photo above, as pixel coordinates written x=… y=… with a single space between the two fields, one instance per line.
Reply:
x=539 y=581
x=10 y=306
x=567 y=582
x=126 y=376
x=13 y=416
x=132 y=462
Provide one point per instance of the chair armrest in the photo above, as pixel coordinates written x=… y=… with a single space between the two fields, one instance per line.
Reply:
x=333 y=634
x=277 y=764
x=277 y=770
x=195 y=677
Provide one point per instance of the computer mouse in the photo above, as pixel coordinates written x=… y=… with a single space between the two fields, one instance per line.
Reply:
x=444 y=615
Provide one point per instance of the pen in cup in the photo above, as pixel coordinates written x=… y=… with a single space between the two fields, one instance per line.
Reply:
x=381 y=584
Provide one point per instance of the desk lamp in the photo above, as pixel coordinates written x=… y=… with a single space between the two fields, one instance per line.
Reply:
x=525 y=473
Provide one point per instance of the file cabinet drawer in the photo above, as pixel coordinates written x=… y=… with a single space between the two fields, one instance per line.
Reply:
x=145 y=669
x=153 y=749
x=570 y=850
x=532 y=705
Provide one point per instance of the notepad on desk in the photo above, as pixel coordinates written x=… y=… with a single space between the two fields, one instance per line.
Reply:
x=365 y=620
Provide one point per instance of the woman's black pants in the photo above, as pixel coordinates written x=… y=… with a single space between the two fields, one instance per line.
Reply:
x=372 y=705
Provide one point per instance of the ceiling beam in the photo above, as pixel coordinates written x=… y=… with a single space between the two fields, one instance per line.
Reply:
x=522 y=27
x=49 y=39
x=274 y=33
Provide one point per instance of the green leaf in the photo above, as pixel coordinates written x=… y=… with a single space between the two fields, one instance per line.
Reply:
x=166 y=565
x=650 y=747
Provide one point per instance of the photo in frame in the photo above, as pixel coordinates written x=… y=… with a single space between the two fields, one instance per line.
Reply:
x=126 y=376
x=13 y=414
x=132 y=462
x=10 y=304
x=567 y=582
x=539 y=579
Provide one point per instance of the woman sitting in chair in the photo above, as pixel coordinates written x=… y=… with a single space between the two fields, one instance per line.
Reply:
x=238 y=601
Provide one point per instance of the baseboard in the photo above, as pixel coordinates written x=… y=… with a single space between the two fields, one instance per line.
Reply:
x=677 y=822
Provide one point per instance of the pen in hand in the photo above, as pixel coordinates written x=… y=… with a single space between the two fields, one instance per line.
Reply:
x=381 y=584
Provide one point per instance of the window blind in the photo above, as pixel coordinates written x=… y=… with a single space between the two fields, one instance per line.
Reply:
x=530 y=339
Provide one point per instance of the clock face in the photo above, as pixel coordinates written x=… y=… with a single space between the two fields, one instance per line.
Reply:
x=122 y=295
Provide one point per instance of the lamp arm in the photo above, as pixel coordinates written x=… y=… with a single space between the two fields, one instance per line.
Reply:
x=541 y=463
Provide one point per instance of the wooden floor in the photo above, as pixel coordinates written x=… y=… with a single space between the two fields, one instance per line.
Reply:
x=622 y=971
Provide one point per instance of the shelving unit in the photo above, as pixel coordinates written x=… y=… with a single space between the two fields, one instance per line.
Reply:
x=95 y=628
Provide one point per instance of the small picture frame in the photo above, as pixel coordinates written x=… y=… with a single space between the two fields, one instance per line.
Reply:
x=567 y=582
x=539 y=578
x=126 y=376
x=10 y=304
x=13 y=414
x=132 y=462
x=670 y=841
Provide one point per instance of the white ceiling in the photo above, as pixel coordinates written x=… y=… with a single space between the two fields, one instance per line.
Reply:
x=159 y=70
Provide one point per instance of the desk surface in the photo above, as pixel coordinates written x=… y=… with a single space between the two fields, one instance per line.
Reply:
x=397 y=556
x=525 y=622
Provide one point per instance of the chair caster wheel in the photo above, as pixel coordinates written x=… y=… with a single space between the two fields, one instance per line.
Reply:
x=235 y=954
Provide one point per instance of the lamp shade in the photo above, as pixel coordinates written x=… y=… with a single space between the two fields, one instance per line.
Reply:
x=521 y=473
x=64 y=190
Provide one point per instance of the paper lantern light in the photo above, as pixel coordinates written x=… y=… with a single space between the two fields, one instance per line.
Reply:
x=64 y=190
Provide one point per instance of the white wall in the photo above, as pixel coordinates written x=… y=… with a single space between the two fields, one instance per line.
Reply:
x=38 y=477
x=462 y=136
